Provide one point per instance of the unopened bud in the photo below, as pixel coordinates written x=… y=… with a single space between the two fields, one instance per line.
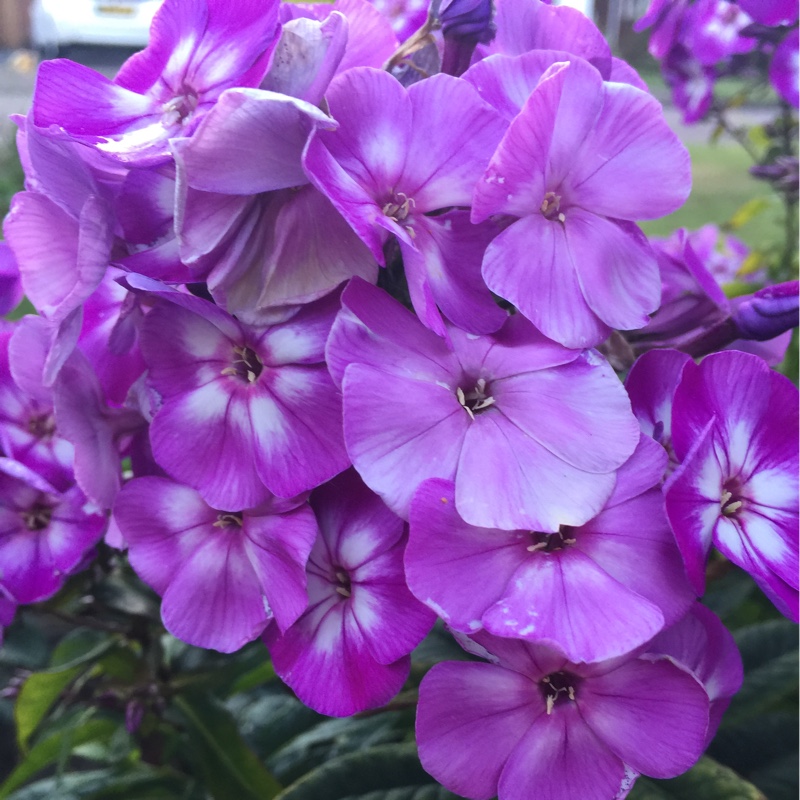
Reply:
x=768 y=313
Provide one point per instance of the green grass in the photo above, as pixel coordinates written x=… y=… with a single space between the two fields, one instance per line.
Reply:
x=721 y=186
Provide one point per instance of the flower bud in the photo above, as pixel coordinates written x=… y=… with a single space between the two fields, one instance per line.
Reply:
x=768 y=313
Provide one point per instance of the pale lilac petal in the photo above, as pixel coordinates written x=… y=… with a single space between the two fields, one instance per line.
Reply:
x=396 y=450
x=453 y=136
x=371 y=40
x=651 y=714
x=530 y=264
x=469 y=719
x=616 y=268
x=565 y=600
x=296 y=421
x=595 y=437
x=507 y=480
x=175 y=526
x=374 y=329
x=631 y=166
x=457 y=569
x=447 y=254
x=643 y=470
x=560 y=757
x=215 y=599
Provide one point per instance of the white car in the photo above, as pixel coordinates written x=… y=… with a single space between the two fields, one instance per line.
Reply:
x=56 y=24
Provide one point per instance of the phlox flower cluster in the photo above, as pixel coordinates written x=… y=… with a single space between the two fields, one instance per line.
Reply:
x=698 y=42
x=330 y=336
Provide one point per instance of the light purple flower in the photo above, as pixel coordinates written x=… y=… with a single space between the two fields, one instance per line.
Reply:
x=397 y=157
x=197 y=50
x=532 y=724
x=44 y=532
x=244 y=411
x=784 y=69
x=595 y=591
x=771 y=12
x=580 y=162
x=734 y=429
x=222 y=574
x=10 y=286
x=349 y=650
x=530 y=431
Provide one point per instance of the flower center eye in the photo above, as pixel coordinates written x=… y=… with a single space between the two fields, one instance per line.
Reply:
x=551 y=207
x=178 y=110
x=247 y=366
x=550 y=542
x=476 y=399
x=37 y=518
x=398 y=207
x=343 y=587
x=558 y=688
x=42 y=426
x=730 y=500
x=227 y=519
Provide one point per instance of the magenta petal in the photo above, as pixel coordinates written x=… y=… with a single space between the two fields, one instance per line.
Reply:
x=394 y=452
x=530 y=264
x=559 y=758
x=783 y=71
x=652 y=714
x=219 y=156
x=566 y=600
x=470 y=718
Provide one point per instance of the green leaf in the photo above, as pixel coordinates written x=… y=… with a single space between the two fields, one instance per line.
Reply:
x=390 y=771
x=230 y=768
x=770 y=657
x=706 y=780
x=37 y=696
x=50 y=749
x=748 y=211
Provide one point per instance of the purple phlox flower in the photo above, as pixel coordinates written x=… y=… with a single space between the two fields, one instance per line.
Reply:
x=530 y=431
x=721 y=254
x=651 y=385
x=371 y=39
x=464 y=24
x=734 y=429
x=580 y=162
x=785 y=67
x=10 y=285
x=247 y=214
x=28 y=431
x=44 y=533
x=350 y=650
x=222 y=574
x=594 y=591
x=668 y=20
x=771 y=12
x=691 y=83
x=533 y=724
x=244 y=411
x=714 y=31
x=197 y=50
x=399 y=156
x=702 y=644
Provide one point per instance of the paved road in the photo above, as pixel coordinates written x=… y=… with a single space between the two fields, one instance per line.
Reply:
x=18 y=71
